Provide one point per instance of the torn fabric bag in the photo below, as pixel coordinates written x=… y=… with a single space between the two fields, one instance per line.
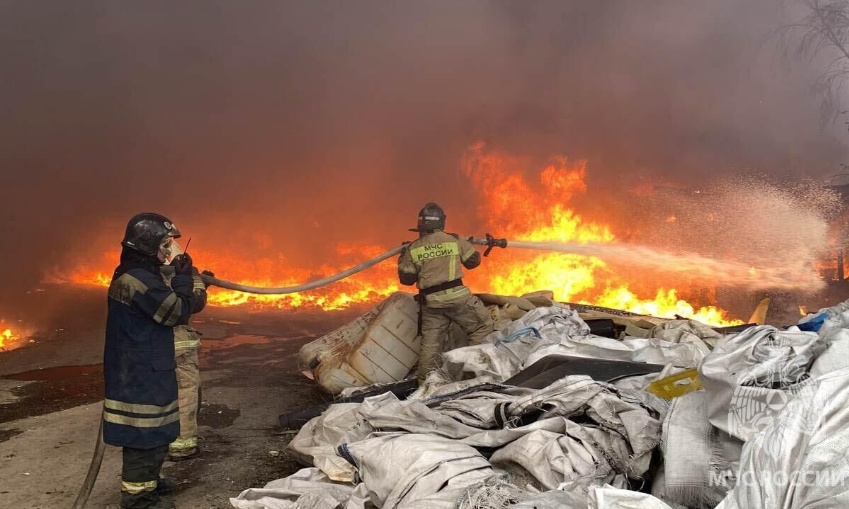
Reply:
x=315 y=444
x=414 y=470
x=837 y=318
x=610 y=408
x=750 y=376
x=556 y=320
x=556 y=458
x=553 y=499
x=504 y=353
x=495 y=491
x=801 y=459
x=700 y=460
x=608 y=497
x=836 y=355
x=686 y=331
x=307 y=488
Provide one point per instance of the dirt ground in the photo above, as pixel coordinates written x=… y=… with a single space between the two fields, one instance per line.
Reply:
x=50 y=393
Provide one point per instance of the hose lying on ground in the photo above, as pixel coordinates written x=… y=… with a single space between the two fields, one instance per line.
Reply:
x=93 y=470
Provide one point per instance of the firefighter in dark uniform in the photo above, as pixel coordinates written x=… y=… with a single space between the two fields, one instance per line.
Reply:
x=141 y=411
x=435 y=262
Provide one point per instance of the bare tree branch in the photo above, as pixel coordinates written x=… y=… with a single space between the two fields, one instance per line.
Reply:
x=824 y=28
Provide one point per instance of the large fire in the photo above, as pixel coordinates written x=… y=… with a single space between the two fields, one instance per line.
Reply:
x=540 y=214
x=515 y=208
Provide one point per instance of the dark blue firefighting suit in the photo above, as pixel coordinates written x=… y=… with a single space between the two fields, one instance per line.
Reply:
x=141 y=412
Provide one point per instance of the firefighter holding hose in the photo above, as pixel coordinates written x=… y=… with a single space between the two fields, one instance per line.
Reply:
x=141 y=409
x=435 y=262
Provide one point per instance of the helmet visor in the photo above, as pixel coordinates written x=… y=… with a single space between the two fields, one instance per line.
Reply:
x=171 y=249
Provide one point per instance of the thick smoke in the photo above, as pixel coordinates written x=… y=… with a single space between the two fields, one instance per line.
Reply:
x=291 y=126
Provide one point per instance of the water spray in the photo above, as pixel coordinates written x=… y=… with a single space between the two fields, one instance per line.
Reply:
x=687 y=265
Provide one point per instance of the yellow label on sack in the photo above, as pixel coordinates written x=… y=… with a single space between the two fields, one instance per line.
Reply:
x=676 y=385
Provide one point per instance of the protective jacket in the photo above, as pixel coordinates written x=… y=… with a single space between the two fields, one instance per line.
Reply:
x=435 y=261
x=140 y=404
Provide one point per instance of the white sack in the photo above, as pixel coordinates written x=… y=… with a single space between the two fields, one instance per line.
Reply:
x=800 y=460
x=315 y=444
x=686 y=331
x=609 y=497
x=700 y=461
x=750 y=376
x=410 y=470
x=308 y=488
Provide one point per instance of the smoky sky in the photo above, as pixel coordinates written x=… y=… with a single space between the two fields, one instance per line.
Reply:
x=297 y=125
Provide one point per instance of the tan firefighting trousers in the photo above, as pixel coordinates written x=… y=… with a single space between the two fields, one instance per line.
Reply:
x=188 y=386
x=467 y=311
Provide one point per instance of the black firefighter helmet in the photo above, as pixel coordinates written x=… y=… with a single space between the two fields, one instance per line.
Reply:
x=431 y=218
x=147 y=232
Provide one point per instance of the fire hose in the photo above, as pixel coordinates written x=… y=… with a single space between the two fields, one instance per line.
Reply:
x=97 y=459
x=93 y=470
x=488 y=241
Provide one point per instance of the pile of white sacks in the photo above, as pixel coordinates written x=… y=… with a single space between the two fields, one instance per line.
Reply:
x=770 y=428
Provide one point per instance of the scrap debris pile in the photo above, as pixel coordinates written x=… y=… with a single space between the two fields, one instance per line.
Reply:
x=576 y=408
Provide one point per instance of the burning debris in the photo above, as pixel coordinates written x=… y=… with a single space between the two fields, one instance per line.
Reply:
x=6 y=337
x=11 y=337
x=587 y=261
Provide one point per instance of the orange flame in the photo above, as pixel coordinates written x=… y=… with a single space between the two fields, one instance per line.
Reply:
x=541 y=215
x=521 y=210
x=7 y=336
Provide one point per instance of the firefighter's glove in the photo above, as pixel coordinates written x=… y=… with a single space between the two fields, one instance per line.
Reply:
x=209 y=274
x=183 y=265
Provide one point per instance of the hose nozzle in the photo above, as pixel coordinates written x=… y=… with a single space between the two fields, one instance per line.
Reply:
x=492 y=242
